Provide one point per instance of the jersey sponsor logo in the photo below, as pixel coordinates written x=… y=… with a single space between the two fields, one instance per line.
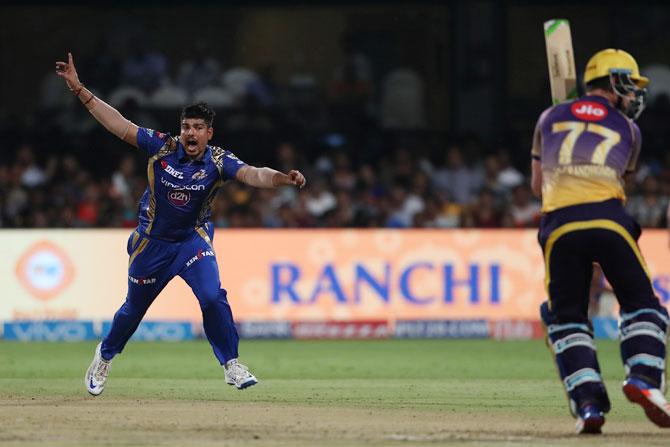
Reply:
x=169 y=184
x=201 y=174
x=179 y=197
x=172 y=171
x=141 y=281
x=201 y=254
x=589 y=110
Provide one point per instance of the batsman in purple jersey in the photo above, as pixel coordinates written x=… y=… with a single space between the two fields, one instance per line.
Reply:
x=582 y=151
x=174 y=235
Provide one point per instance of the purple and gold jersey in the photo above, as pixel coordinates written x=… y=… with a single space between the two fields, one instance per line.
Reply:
x=178 y=199
x=585 y=146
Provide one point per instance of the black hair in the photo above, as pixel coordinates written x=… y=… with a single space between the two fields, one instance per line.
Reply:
x=602 y=83
x=199 y=110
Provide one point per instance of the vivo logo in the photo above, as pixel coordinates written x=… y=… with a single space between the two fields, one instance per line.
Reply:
x=478 y=282
x=49 y=331
x=158 y=331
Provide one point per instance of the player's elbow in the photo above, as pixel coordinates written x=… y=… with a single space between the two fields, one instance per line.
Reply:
x=537 y=189
x=536 y=178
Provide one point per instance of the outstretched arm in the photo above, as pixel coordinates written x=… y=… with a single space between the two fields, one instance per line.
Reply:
x=105 y=114
x=269 y=178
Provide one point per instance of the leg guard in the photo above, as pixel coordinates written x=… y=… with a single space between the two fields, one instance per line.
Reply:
x=643 y=339
x=575 y=356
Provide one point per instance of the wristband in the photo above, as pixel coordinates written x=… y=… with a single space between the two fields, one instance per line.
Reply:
x=78 y=92
x=89 y=99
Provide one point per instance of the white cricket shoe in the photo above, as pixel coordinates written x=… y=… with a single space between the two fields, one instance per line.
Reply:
x=237 y=374
x=651 y=399
x=96 y=375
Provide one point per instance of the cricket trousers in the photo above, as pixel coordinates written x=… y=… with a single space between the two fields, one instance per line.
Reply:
x=572 y=239
x=152 y=264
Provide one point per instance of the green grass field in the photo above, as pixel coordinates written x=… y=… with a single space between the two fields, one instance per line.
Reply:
x=394 y=392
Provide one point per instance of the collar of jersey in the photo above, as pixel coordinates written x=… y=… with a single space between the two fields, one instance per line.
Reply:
x=181 y=154
x=596 y=98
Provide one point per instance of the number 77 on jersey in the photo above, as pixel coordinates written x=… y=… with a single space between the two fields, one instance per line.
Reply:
x=561 y=60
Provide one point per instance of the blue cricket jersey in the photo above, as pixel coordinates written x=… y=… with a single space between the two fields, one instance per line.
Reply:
x=178 y=199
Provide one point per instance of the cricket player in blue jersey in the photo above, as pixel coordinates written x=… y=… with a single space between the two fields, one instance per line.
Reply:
x=582 y=150
x=174 y=235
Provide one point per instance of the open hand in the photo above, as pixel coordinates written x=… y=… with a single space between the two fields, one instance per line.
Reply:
x=296 y=178
x=67 y=71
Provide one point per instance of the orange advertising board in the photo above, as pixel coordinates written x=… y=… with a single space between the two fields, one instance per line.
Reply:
x=300 y=275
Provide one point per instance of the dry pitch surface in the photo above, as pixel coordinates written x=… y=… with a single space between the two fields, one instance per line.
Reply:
x=397 y=393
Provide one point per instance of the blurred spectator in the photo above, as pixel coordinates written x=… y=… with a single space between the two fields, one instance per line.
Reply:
x=202 y=70
x=343 y=178
x=508 y=176
x=320 y=200
x=456 y=180
x=648 y=207
x=265 y=88
x=483 y=213
x=524 y=211
x=145 y=69
x=360 y=172
x=102 y=68
x=492 y=177
x=31 y=175
x=403 y=207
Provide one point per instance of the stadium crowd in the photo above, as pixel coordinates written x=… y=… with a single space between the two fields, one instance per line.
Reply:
x=363 y=144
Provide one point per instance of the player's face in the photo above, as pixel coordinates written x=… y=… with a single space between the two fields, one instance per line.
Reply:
x=195 y=134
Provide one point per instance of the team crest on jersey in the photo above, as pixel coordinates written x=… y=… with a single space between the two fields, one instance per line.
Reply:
x=152 y=132
x=589 y=110
x=201 y=174
x=179 y=198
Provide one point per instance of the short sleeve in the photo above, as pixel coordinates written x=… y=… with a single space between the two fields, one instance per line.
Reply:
x=231 y=164
x=536 y=151
x=151 y=140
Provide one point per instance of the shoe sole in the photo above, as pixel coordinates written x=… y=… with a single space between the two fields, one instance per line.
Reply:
x=246 y=384
x=591 y=426
x=638 y=396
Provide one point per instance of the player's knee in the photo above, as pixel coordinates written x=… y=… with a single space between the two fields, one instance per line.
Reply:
x=211 y=297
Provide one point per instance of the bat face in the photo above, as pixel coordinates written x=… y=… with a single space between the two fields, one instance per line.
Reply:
x=561 y=60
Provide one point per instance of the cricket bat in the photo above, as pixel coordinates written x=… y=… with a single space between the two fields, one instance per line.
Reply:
x=561 y=59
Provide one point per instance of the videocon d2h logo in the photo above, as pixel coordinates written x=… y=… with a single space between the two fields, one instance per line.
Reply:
x=44 y=270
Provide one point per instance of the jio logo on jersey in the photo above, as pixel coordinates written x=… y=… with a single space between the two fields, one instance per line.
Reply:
x=589 y=110
x=179 y=198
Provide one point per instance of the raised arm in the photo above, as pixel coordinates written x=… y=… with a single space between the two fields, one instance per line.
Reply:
x=105 y=114
x=269 y=178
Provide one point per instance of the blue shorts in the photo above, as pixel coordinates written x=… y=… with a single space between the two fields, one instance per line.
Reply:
x=153 y=263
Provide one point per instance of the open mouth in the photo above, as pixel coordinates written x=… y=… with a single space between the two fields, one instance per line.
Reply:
x=191 y=144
